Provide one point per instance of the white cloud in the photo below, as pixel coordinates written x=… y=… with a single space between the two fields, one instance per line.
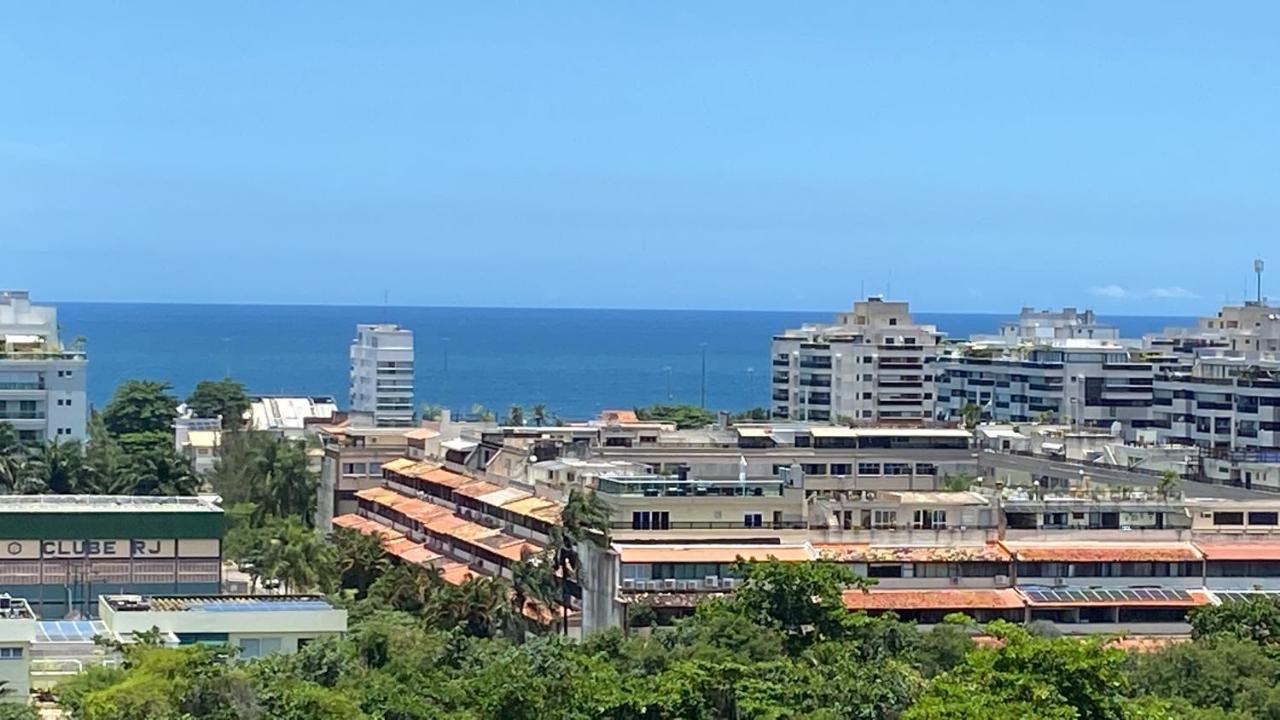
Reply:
x=1118 y=292
x=1176 y=291
x=1114 y=292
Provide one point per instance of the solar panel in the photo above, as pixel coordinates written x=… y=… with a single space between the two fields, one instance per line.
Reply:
x=1106 y=596
x=62 y=631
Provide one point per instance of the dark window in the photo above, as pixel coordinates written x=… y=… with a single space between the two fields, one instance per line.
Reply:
x=1228 y=518
x=1264 y=518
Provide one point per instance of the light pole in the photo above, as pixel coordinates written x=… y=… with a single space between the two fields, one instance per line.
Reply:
x=667 y=370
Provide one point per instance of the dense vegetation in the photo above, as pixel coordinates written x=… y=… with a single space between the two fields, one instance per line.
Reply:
x=782 y=647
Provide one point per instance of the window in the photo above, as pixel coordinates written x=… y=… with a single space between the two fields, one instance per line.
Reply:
x=753 y=520
x=897 y=468
x=651 y=520
x=841 y=469
x=813 y=469
x=10 y=653
x=929 y=520
x=884 y=519
x=250 y=648
x=865 y=468
x=1228 y=518
x=1264 y=518
x=926 y=469
x=884 y=571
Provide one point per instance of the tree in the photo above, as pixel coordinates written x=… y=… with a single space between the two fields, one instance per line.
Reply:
x=805 y=601
x=540 y=415
x=756 y=414
x=971 y=413
x=361 y=560
x=140 y=406
x=685 y=417
x=55 y=467
x=1256 y=619
x=220 y=398
x=1222 y=672
x=298 y=558
x=12 y=457
x=1026 y=676
x=515 y=416
x=481 y=413
x=267 y=471
x=1169 y=483
x=584 y=519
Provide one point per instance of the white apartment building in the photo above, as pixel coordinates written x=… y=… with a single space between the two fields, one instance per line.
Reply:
x=42 y=382
x=1086 y=383
x=382 y=374
x=872 y=366
x=1044 y=325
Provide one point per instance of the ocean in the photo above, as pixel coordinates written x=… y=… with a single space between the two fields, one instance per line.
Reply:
x=576 y=362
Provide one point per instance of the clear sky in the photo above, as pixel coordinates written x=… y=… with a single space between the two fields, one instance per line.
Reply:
x=1119 y=155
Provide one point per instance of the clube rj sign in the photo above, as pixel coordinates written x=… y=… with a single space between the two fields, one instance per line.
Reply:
x=54 y=549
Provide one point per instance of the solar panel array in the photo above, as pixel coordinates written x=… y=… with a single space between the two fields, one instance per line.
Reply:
x=268 y=606
x=61 y=631
x=1244 y=595
x=1103 y=597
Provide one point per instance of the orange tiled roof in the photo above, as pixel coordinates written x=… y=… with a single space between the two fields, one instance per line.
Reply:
x=447 y=478
x=712 y=553
x=476 y=489
x=457 y=573
x=445 y=523
x=424 y=513
x=528 y=505
x=620 y=416
x=935 y=599
x=1240 y=551
x=366 y=526
x=1102 y=552
x=412 y=552
x=859 y=552
x=472 y=532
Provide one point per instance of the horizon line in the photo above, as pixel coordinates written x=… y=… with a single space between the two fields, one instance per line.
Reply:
x=914 y=311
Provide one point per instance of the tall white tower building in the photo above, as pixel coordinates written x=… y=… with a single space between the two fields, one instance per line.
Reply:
x=382 y=374
x=42 y=381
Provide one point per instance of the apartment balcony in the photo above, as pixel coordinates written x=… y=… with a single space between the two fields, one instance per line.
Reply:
x=781 y=362
x=1212 y=405
x=815 y=382
x=714 y=525
x=816 y=364
x=22 y=415
x=782 y=396
x=782 y=378
x=898 y=365
x=21 y=386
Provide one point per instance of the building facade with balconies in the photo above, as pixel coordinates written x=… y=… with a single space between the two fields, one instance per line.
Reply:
x=42 y=381
x=872 y=366
x=382 y=374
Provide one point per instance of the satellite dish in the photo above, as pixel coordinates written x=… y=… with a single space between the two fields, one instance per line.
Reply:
x=1116 y=429
x=534 y=458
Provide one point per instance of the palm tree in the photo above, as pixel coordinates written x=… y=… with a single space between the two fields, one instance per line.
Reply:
x=539 y=414
x=533 y=583
x=161 y=471
x=482 y=606
x=585 y=519
x=285 y=486
x=56 y=467
x=515 y=415
x=361 y=560
x=300 y=559
x=1169 y=482
x=12 y=457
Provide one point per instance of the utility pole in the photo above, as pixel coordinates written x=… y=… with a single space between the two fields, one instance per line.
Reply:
x=1257 y=268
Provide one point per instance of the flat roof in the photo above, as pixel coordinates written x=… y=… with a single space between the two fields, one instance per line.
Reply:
x=962 y=497
x=713 y=553
x=105 y=503
x=498 y=498
x=933 y=599
x=861 y=552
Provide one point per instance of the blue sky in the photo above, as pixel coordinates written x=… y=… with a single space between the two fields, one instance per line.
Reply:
x=1124 y=156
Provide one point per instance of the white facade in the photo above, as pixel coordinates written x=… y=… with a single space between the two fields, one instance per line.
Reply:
x=42 y=382
x=1086 y=383
x=874 y=365
x=382 y=374
x=17 y=630
x=1046 y=325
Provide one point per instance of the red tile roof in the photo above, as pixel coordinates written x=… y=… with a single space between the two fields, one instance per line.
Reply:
x=936 y=599
x=1102 y=552
x=1240 y=551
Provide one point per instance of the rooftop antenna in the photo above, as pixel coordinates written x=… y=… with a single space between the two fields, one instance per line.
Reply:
x=1257 y=268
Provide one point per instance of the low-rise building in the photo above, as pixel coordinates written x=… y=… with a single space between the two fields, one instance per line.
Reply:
x=258 y=625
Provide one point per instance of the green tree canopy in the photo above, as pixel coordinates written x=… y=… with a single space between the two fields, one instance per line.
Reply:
x=141 y=406
x=684 y=416
x=220 y=398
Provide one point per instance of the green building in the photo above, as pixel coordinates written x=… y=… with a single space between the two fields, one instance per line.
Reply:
x=60 y=552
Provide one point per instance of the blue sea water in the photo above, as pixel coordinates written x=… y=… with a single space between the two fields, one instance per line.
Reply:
x=577 y=362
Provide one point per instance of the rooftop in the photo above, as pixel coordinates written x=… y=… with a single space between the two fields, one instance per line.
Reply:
x=217 y=603
x=106 y=503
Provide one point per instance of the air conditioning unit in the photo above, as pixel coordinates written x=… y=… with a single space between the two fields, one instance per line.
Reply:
x=628 y=584
x=655 y=585
x=729 y=583
x=669 y=584
x=1001 y=579
x=711 y=582
x=869 y=495
x=1060 y=582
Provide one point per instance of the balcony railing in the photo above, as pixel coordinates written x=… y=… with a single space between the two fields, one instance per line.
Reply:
x=21 y=415
x=21 y=386
x=715 y=525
